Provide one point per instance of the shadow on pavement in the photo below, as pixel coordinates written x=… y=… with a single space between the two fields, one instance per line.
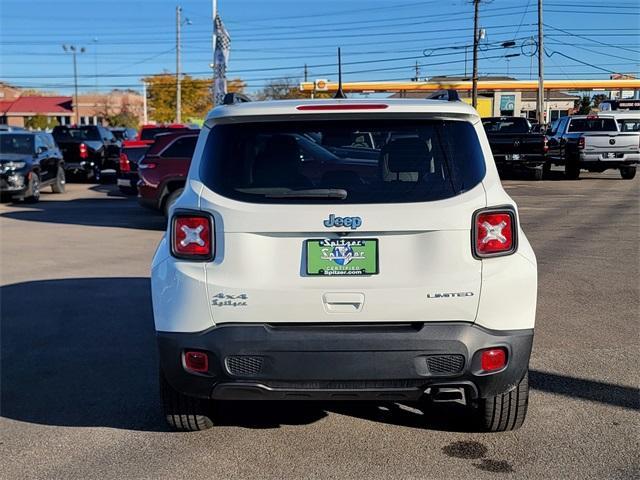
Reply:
x=81 y=352
x=114 y=210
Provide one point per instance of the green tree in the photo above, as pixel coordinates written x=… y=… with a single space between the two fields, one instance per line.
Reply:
x=40 y=122
x=123 y=119
x=582 y=106
x=598 y=99
x=281 y=88
x=195 y=97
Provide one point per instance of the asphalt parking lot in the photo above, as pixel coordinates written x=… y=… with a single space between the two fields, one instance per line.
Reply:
x=79 y=384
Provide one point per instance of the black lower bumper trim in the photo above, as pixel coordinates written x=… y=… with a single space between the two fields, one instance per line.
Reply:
x=332 y=362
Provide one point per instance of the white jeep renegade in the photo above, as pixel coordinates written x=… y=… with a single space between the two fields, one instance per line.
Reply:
x=344 y=250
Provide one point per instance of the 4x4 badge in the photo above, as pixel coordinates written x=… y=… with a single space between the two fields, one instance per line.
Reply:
x=351 y=222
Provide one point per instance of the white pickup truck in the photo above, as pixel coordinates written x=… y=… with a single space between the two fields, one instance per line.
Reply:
x=594 y=143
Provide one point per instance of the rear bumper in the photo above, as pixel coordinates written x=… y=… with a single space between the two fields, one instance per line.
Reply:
x=524 y=160
x=350 y=362
x=594 y=159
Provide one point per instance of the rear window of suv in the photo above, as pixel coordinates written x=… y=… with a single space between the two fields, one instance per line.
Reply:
x=343 y=161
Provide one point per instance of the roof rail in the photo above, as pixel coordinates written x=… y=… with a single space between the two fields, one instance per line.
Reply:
x=232 y=98
x=450 y=95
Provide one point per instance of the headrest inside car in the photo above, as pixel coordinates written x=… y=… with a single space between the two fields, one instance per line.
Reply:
x=407 y=155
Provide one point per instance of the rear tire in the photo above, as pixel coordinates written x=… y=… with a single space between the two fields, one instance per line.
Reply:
x=94 y=175
x=171 y=199
x=537 y=173
x=59 y=185
x=572 y=170
x=628 y=173
x=505 y=412
x=184 y=413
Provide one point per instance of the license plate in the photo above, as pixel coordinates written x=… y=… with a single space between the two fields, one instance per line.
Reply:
x=123 y=182
x=611 y=155
x=353 y=256
x=515 y=156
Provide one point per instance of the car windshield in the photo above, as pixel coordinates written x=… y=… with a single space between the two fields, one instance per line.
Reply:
x=506 y=125
x=15 y=143
x=62 y=134
x=592 y=125
x=374 y=162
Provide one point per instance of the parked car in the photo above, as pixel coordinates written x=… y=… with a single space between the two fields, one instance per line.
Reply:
x=148 y=133
x=127 y=175
x=163 y=170
x=123 y=134
x=87 y=150
x=28 y=163
x=593 y=143
x=514 y=144
x=411 y=282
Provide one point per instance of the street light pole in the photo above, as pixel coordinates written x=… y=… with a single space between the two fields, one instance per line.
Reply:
x=74 y=51
x=540 y=102
x=476 y=39
x=178 y=86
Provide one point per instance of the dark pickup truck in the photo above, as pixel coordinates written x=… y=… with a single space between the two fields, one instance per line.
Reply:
x=514 y=144
x=87 y=150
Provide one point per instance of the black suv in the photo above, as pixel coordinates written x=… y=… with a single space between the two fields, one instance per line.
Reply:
x=28 y=162
x=88 y=150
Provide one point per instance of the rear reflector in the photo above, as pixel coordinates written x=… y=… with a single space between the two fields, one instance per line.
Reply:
x=196 y=362
x=493 y=359
x=342 y=106
x=494 y=233
x=192 y=237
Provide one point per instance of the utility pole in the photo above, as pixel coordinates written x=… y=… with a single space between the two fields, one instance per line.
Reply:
x=144 y=103
x=306 y=73
x=476 y=39
x=540 y=104
x=214 y=13
x=417 y=77
x=178 y=86
x=74 y=51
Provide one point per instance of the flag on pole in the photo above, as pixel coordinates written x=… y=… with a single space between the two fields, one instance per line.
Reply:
x=221 y=58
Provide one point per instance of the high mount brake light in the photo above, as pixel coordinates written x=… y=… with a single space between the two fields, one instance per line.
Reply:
x=84 y=153
x=494 y=232
x=125 y=166
x=192 y=236
x=345 y=106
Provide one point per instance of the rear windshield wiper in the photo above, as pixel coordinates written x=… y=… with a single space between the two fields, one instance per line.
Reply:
x=310 y=193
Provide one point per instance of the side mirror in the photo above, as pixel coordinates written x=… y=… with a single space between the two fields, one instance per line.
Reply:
x=42 y=149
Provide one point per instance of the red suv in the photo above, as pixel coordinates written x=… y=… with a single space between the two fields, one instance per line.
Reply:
x=163 y=170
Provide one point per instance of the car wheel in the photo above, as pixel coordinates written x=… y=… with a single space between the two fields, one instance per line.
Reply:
x=506 y=411
x=537 y=173
x=184 y=413
x=628 y=172
x=34 y=189
x=572 y=170
x=59 y=185
x=171 y=199
x=94 y=175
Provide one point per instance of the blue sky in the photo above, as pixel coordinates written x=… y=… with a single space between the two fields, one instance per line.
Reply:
x=380 y=40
